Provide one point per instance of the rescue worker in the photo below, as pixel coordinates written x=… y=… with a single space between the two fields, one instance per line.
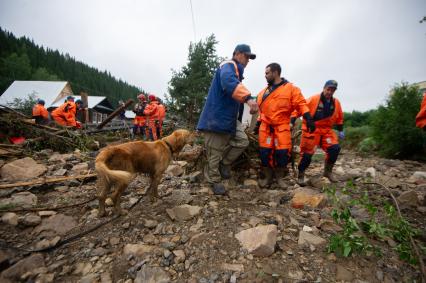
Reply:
x=326 y=112
x=421 y=116
x=65 y=114
x=224 y=136
x=151 y=111
x=161 y=117
x=276 y=103
x=140 y=121
x=40 y=113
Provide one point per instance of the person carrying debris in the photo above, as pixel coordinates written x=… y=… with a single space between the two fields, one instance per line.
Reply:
x=40 y=113
x=161 y=117
x=151 y=111
x=224 y=136
x=276 y=102
x=327 y=112
x=139 y=123
x=421 y=116
x=65 y=114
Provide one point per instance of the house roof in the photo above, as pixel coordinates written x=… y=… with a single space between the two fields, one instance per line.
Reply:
x=91 y=100
x=53 y=93
x=49 y=91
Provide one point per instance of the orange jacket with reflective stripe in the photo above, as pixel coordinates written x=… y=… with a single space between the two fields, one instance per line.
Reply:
x=151 y=110
x=161 y=112
x=40 y=110
x=278 y=106
x=66 y=111
x=335 y=119
x=421 y=116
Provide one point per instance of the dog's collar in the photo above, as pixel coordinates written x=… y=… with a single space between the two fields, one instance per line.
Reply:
x=169 y=146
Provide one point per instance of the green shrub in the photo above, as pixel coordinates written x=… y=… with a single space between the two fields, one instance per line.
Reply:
x=393 y=125
x=367 y=145
x=354 y=136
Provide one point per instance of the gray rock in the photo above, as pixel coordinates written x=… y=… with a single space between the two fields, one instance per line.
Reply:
x=58 y=224
x=418 y=177
x=305 y=237
x=80 y=168
x=260 y=240
x=22 y=199
x=149 y=274
x=370 y=172
x=10 y=218
x=23 y=266
x=342 y=274
x=22 y=169
x=31 y=220
x=183 y=212
x=174 y=170
x=408 y=198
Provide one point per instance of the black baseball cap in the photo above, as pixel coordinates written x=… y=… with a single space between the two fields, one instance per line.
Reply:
x=244 y=48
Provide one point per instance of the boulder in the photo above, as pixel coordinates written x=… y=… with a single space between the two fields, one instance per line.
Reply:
x=370 y=172
x=23 y=266
x=22 y=169
x=309 y=197
x=58 y=224
x=418 y=177
x=10 y=218
x=250 y=184
x=408 y=198
x=174 y=170
x=31 y=220
x=183 y=212
x=305 y=237
x=139 y=250
x=149 y=274
x=80 y=168
x=260 y=240
x=22 y=199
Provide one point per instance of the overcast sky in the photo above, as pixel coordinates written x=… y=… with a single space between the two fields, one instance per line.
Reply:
x=366 y=45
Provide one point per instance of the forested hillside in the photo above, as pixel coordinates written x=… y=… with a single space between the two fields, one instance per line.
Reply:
x=22 y=59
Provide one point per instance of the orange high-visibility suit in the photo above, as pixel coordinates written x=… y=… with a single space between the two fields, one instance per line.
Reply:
x=276 y=103
x=323 y=135
x=40 y=114
x=161 y=117
x=140 y=121
x=64 y=115
x=151 y=111
x=421 y=116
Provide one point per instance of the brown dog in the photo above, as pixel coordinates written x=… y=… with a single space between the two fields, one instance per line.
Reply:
x=117 y=165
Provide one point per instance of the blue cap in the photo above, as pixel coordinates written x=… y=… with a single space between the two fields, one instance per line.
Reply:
x=244 y=48
x=331 y=83
x=70 y=97
x=41 y=101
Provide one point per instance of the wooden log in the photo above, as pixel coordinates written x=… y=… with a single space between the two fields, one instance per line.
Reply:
x=42 y=181
x=115 y=113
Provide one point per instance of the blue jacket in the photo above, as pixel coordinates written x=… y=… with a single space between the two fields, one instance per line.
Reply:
x=221 y=110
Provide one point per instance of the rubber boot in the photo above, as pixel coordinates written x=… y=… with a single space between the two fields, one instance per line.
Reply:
x=280 y=174
x=328 y=169
x=301 y=179
x=225 y=171
x=267 y=180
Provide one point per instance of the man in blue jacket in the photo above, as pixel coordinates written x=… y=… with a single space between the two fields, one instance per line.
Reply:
x=224 y=136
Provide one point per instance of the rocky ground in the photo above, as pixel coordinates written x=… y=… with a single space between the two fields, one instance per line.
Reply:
x=190 y=235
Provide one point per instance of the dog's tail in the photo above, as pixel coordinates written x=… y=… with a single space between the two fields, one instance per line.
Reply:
x=109 y=176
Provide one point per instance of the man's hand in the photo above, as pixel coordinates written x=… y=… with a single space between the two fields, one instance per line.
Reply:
x=254 y=108
x=311 y=125
x=341 y=135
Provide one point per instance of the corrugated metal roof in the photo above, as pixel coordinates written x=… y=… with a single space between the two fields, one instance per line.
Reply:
x=92 y=100
x=46 y=90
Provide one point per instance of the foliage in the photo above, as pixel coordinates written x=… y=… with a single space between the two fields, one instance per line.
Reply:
x=189 y=86
x=22 y=59
x=357 y=118
x=357 y=236
x=24 y=106
x=353 y=136
x=393 y=125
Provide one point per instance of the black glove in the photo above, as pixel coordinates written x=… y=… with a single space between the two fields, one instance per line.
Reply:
x=256 y=128
x=309 y=122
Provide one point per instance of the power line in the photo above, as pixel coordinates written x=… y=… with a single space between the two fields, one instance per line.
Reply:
x=193 y=22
